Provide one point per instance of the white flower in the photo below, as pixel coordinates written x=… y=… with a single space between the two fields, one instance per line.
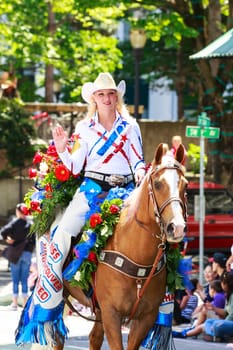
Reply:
x=44 y=167
x=104 y=231
x=77 y=276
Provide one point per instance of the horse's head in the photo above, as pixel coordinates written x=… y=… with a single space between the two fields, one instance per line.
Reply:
x=167 y=186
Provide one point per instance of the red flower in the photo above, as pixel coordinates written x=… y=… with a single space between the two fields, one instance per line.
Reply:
x=32 y=173
x=95 y=220
x=62 y=173
x=48 y=188
x=35 y=206
x=24 y=210
x=114 y=209
x=175 y=246
x=37 y=158
x=92 y=257
x=51 y=151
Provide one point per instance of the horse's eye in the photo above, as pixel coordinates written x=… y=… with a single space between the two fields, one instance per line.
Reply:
x=157 y=185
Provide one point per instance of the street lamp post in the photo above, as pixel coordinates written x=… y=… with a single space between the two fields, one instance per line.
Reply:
x=138 y=41
x=57 y=89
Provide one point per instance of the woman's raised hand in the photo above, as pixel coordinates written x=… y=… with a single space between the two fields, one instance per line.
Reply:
x=60 y=138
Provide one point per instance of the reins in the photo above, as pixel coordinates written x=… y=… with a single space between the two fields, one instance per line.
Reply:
x=141 y=289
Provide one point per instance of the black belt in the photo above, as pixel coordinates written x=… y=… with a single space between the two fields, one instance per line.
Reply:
x=111 y=180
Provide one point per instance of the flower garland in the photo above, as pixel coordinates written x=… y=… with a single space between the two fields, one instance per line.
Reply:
x=54 y=187
x=96 y=231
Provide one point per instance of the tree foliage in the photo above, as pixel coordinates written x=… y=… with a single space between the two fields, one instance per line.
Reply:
x=16 y=132
x=74 y=37
x=74 y=40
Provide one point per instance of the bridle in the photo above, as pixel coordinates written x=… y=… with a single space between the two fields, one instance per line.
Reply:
x=158 y=210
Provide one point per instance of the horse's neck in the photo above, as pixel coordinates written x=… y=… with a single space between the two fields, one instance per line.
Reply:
x=135 y=233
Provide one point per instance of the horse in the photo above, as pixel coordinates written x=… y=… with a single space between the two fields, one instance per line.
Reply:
x=130 y=280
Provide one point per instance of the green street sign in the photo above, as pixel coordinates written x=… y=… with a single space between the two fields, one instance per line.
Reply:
x=210 y=133
x=203 y=120
x=197 y=131
x=193 y=131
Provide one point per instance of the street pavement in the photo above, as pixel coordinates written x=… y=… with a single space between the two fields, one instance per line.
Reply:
x=78 y=327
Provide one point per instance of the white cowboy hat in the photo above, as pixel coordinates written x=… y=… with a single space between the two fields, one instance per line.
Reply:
x=103 y=81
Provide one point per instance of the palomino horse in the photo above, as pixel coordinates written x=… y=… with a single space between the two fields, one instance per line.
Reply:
x=131 y=275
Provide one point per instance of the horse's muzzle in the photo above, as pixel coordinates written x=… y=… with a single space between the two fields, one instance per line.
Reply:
x=175 y=233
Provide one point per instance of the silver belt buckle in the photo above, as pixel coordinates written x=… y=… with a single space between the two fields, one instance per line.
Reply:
x=116 y=180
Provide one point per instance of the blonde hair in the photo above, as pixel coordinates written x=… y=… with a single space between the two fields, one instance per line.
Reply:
x=177 y=138
x=120 y=107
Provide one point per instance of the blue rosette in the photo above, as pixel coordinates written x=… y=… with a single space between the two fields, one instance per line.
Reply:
x=81 y=250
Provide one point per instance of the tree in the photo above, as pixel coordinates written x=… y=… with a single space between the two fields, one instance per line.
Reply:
x=72 y=39
x=16 y=131
x=176 y=30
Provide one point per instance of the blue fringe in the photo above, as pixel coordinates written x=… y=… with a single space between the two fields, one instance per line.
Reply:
x=159 y=338
x=38 y=325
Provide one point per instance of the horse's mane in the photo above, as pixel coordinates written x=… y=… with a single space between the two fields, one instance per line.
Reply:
x=131 y=204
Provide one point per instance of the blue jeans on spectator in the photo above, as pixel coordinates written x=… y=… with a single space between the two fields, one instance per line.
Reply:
x=219 y=328
x=20 y=272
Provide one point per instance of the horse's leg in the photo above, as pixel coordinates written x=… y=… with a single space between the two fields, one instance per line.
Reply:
x=96 y=336
x=138 y=330
x=77 y=294
x=59 y=345
x=112 y=328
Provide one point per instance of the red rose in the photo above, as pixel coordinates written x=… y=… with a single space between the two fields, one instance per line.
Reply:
x=37 y=158
x=35 y=206
x=32 y=173
x=62 y=173
x=114 y=209
x=95 y=220
x=48 y=188
x=92 y=257
x=51 y=151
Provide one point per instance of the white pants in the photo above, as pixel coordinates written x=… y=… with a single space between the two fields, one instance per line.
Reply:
x=52 y=252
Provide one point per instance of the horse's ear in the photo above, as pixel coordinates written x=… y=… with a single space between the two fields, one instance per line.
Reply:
x=180 y=154
x=159 y=154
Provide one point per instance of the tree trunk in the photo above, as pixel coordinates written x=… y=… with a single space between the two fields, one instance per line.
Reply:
x=49 y=69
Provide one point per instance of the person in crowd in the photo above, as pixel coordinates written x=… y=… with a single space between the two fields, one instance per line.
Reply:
x=187 y=305
x=207 y=310
x=219 y=264
x=176 y=141
x=18 y=252
x=108 y=149
x=229 y=263
x=222 y=325
x=209 y=276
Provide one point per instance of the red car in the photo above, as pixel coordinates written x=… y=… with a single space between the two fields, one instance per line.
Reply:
x=218 y=224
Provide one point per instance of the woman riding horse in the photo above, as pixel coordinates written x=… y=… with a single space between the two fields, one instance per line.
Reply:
x=109 y=149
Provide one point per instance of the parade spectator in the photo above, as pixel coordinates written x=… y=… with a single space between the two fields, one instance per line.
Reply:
x=176 y=141
x=219 y=263
x=229 y=263
x=224 y=327
x=208 y=309
x=187 y=305
x=18 y=252
x=209 y=276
